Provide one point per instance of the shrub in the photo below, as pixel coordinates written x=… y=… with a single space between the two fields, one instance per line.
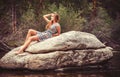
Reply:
x=69 y=19
x=100 y=25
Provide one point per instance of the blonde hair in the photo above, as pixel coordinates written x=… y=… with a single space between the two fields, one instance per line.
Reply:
x=57 y=18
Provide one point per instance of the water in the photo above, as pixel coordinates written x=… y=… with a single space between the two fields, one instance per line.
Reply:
x=113 y=70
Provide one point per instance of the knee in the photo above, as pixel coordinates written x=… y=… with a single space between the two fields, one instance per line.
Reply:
x=30 y=30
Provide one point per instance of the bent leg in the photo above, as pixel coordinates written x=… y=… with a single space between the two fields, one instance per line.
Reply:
x=27 y=43
x=30 y=33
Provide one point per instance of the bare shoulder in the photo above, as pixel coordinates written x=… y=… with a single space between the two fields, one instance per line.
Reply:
x=57 y=24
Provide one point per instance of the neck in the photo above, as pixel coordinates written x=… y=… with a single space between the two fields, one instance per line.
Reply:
x=54 y=21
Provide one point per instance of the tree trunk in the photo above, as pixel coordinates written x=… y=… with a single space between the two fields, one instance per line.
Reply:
x=93 y=15
x=41 y=4
x=13 y=17
x=94 y=9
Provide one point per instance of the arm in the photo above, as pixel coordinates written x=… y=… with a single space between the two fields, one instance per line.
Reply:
x=46 y=17
x=59 y=31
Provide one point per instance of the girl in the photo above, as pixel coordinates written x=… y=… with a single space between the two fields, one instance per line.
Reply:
x=52 y=29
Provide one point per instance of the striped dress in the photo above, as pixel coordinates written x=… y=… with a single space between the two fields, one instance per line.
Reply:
x=48 y=33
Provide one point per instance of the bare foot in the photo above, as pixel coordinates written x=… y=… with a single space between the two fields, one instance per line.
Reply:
x=18 y=52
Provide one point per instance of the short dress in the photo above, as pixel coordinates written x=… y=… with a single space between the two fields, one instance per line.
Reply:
x=48 y=33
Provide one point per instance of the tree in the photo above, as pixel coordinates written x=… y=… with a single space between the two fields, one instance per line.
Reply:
x=14 y=21
x=94 y=8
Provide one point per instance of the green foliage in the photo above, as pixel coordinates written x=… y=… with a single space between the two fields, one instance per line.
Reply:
x=100 y=25
x=28 y=18
x=69 y=19
x=5 y=23
x=116 y=30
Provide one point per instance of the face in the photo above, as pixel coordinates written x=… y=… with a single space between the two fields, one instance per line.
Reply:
x=52 y=16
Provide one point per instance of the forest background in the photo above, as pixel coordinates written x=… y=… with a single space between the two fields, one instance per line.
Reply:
x=99 y=17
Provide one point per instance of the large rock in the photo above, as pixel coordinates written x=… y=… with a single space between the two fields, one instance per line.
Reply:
x=72 y=48
x=67 y=41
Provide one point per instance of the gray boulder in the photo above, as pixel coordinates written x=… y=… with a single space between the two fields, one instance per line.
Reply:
x=73 y=40
x=72 y=48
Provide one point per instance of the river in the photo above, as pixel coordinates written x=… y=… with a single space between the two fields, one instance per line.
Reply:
x=113 y=70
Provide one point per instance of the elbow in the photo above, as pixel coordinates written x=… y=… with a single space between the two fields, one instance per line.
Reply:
x=43 y=16
x=58 y=33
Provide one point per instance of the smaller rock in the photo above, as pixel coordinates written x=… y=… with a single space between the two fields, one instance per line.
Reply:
x=55 y=60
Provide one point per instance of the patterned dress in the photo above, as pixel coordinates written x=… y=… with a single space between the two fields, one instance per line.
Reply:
x=48 y=33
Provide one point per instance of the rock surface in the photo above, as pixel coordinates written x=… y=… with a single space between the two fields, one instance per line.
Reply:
x=67 y=41
x=72 y=48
